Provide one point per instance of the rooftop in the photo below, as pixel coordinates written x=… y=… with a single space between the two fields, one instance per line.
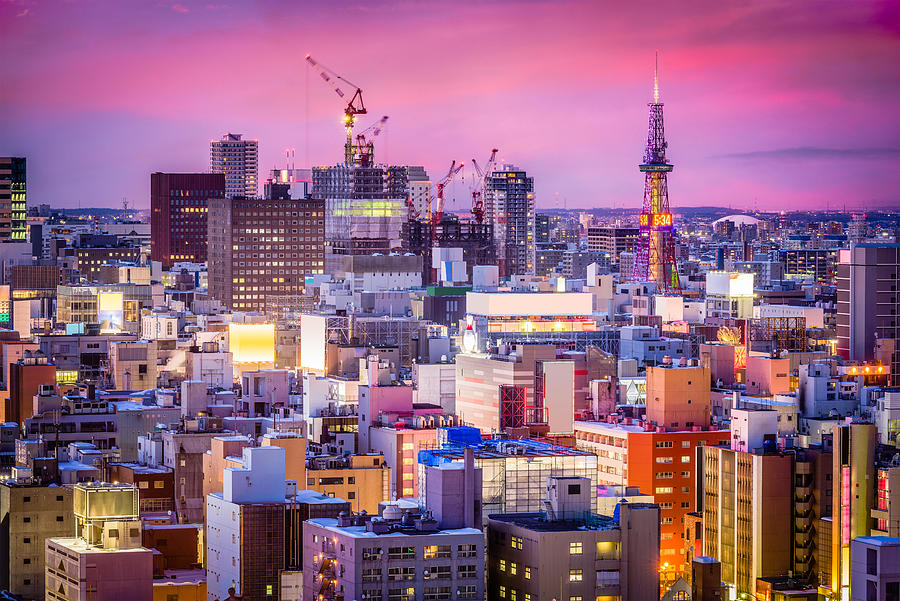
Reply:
x=361 y=532
x=496 y=449
x=537 y=522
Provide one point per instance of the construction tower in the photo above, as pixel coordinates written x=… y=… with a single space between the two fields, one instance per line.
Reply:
x=655 y=260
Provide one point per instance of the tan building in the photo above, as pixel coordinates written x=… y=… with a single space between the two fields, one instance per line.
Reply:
x=133 y=364
x=364 y=480
x=569 y=553
x=678 y=396
x=747 y=513
x=28 y=515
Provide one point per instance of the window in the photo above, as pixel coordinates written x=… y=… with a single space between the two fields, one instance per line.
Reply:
x=663 y=460
x=466 y=591
x=437 y=573
x=435 y=551
x=575 y=548
x=402 y=553
x=502 y=592
x=436 y=593
x=401 y=594
x=685 y=504
x=370 y=554
x=513 y=568
x=516 y=542
x=664 y=490
x=466 y=551
x=664 y=444
x=401 y=573
x=576 y=576
x=466 y=572
x=26 y=540
x=685 y=444
x=527 y=573
x=575 y=598
x=59 y=518
x=143 y=484
x=26 y=561
x=685 y=459
x=501 y=565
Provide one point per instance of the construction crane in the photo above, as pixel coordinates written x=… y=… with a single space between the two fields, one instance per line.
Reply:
x=438 y=213
x=479 y=185
x=355 y=107
x=365 y=149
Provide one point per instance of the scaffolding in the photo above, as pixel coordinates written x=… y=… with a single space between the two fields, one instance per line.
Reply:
x=786 y=333
x=512 y=406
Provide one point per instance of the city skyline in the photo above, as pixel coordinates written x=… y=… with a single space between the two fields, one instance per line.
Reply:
x=768 y=106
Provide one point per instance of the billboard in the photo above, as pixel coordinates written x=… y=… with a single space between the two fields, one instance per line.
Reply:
x=110 y=311
x=252 y=342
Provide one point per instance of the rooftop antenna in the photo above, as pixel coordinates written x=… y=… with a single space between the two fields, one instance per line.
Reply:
x=656 y=80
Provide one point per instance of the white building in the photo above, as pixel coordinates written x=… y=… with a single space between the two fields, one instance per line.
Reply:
x=245 y=526
x=729 y=294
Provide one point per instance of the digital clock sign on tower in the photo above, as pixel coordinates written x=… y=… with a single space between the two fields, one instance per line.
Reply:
x=655 y=260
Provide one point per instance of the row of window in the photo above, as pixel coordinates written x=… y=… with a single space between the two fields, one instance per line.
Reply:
x=428 y=552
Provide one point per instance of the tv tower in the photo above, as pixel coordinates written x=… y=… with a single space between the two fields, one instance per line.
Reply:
x=655 y=260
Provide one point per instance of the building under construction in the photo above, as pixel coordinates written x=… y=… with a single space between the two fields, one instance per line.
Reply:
x=476 y=240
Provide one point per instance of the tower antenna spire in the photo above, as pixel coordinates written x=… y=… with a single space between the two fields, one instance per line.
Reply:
x=656 y=80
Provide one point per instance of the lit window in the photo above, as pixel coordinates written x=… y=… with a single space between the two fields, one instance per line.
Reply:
x=502 y=565
x=575 y=548
x=576 y=576
x=528 y=573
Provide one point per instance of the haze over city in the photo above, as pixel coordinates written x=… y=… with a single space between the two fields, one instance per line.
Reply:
x=769 y=105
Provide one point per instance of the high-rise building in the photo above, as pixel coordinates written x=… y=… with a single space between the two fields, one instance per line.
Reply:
x=867 y=298
x=178 y=209
x=419 y=192
x=655 y=261
x=365 y=208
x=263 y=249
x=509 y=207
x=541 y=228
x=13 y=199
x=611 y=240
x=238 y=159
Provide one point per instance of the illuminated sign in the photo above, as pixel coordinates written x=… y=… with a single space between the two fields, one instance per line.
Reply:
x=658 y=219
x=252 y=342
x=110 y=311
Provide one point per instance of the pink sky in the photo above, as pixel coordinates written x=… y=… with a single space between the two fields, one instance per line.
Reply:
x=768 y=104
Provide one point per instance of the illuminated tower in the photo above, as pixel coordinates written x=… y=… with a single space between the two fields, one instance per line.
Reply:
x=655 y=261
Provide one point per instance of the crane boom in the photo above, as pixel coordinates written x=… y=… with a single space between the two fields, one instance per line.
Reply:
x=355 y=107
x=365 y=148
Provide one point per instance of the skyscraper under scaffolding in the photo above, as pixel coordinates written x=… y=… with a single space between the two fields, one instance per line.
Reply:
x=509 y=208
x=655 y=261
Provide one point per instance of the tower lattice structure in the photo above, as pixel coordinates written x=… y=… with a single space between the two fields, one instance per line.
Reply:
x=655 y=260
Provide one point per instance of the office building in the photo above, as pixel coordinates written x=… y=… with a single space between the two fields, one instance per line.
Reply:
x=27 y=377
x=867 y=299
x=105 y=560
x=419 y=193
x=363 y=479
x=567 y=552
x=509 y=206
x=659 y=461
x=238 y=160
x=612 y=240
x=816 y=264
x=401 y=554
x=264 y=249
x=13 y=199
x=541 y=228
x=178 y=209
x=729 y=295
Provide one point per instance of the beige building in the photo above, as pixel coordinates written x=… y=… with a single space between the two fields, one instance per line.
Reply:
x=567 y=552
x=746 y=503
x=133 y=364
x=364 y=480
x=28 y=515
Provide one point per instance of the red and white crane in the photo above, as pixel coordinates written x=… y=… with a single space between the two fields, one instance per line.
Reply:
x=438 y=212
x=479 y=185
